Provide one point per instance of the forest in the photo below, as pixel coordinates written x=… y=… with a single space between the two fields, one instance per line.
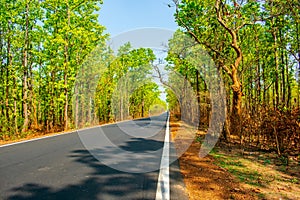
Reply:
x=50 y=48
x=48 y=51
x=255 y=47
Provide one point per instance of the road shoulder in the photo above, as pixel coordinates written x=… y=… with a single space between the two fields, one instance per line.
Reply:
x=205 y=180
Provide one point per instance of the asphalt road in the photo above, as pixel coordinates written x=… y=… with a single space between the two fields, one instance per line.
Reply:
x=78 y=165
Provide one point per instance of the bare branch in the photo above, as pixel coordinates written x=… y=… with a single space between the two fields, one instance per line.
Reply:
x=160 y=76
x=294 y=55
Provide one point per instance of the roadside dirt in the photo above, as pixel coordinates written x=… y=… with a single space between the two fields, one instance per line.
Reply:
x=38 y=134
x=32 y=136
x=229 y=174
x=205 y=180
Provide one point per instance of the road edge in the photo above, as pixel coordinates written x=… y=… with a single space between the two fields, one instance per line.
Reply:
x=163 y=184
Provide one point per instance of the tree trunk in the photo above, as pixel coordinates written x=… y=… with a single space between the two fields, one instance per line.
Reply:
x=265 y=93
x=25 y=74
x=236 y=105
x=198 y=97
x=9 y=63
x=236 y=109
x=66 y=121
x=76 y=105
x=276 y=69
x=298 y=44
x=143 y=108
x=289 y=92
x=283 y=85
x=258 y=67
x=25 y=97
x=15 y=97
x=233 y=73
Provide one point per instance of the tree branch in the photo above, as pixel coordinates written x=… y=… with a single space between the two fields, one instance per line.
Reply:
x=227 y=70
x=233 y=34
x=160 y=76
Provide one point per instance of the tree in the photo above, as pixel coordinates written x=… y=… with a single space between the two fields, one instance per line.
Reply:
x=217 y=26
x=75 y=35
x=43 y=44
x=125 y=88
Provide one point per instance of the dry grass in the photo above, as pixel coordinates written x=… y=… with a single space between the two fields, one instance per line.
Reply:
x=271 y=176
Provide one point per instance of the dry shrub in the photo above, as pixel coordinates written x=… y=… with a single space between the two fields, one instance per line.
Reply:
x=273 y=129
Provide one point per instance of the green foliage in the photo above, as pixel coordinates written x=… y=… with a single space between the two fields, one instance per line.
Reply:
x=125 y=89
x=43 y=44
x=50 y=48
x=237 y=168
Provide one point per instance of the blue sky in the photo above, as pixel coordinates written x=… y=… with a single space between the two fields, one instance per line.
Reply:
x=119 y=16
x=122 y=17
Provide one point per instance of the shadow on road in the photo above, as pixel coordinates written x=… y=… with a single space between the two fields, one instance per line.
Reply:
x=103 y=183
x=98 y=181
x=148 y=145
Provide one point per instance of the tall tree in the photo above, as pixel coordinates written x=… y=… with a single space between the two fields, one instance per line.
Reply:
x=216 y=25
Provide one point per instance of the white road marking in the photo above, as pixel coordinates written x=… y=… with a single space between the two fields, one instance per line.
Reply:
x=163 y=185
